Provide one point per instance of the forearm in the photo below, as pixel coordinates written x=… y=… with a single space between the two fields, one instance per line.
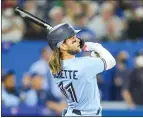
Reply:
x=106 y=55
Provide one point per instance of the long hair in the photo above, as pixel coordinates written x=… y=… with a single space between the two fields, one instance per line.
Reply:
x=55 y=62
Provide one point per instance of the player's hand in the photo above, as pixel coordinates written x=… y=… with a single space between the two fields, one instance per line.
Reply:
x=89 y=46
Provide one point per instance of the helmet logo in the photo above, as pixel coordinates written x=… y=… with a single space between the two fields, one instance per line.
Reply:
x=59 y=31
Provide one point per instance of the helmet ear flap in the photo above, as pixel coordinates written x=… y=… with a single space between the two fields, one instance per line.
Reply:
x=81 y=42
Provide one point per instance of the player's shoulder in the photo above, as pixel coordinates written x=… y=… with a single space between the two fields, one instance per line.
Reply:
x=88 y=60
x=85 y=59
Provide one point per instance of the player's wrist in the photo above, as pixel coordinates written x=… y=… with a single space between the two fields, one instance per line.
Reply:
x=94 y=54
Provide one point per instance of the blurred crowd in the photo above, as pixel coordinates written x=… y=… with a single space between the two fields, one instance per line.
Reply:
x=99 y=20
x=37 y=88
x=128 y=83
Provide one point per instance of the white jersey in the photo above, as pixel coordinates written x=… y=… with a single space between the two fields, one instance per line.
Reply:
x=78 y=83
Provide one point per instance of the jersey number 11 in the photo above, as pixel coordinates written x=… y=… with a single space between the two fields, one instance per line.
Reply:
x=70 y=89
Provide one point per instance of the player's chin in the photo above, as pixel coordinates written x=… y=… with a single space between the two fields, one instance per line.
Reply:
x=79 y=50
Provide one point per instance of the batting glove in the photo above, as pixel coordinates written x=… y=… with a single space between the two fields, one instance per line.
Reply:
x=93 y=47
x=89 y=46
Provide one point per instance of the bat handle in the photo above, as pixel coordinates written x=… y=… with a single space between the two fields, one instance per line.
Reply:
x=48 y=26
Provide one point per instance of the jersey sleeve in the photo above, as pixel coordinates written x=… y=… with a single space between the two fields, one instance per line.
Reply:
x=95 y=65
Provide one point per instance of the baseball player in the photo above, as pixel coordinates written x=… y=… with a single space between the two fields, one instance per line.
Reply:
x=76 y=76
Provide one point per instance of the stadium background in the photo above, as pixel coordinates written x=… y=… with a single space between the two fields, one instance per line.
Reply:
x=118 y=25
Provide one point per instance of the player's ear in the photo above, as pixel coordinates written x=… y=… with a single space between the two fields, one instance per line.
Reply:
x=63 y=46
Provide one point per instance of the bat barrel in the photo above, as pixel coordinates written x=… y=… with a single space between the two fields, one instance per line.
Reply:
x=33 y=18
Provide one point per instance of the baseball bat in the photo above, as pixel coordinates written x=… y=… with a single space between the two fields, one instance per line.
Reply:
x=33 y=18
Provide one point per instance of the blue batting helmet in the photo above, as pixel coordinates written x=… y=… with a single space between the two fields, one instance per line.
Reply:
x=61 y=32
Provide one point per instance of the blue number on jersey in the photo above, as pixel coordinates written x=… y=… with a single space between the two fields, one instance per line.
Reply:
x=70 y=89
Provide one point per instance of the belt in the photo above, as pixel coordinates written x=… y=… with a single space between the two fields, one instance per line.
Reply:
x=78 y=112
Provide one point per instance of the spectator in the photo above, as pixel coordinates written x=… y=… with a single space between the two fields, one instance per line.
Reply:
x=80 y=24
x=32 y=30
x=9 y=3
x=91 y=9
x=42 y=67
x=26 y=86
x=10 y=96
x=135 y=25
x=121 y=75
x=39 y=97
x=26 y=82
x=12 y=26
x=72 y=8
x=133 y=93
x=57 y=15
x=107 y=26
x=41 y=6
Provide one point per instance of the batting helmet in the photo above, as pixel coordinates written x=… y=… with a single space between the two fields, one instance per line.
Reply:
x=59 y=33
